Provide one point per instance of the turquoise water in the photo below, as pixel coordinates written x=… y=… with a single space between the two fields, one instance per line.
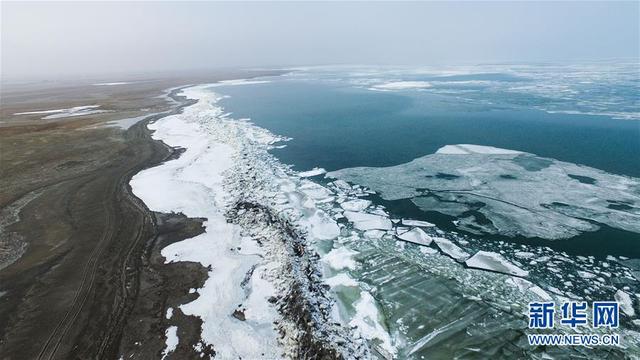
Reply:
x=337 y=127
x=336 y=124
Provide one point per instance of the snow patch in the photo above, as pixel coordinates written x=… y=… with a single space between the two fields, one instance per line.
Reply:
x=172 y=340
x=63 y=113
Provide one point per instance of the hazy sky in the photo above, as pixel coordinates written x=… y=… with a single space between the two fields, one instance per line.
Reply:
x=52 y=39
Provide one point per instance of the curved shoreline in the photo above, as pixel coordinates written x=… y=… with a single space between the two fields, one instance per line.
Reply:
x=204 y=181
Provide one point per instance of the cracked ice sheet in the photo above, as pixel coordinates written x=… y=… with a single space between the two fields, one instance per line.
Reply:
x=195 y=181
x=520 y=193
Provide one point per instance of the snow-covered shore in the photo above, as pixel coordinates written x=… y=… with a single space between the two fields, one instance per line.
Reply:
x=264 y=297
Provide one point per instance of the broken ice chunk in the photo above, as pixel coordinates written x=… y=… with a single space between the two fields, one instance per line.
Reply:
x=355 y=205
x=364 y=221
x=315 y=191
x=586 y=274
x=626 y=305
x=321 y=226
x=524 y=255
x=449 y=248
x=313 y=172
x=340 y=258
x=495 y=262
x=416 y=236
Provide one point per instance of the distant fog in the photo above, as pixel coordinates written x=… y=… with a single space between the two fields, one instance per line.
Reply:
x=46 y=40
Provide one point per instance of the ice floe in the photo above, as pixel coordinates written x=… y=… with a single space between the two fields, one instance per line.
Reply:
x=356 y=205
x=312 y=172
x=416 y=236
x=495 y=262
x=365 y=221
x=519 y=193
x=340 y=258
x=451 y=249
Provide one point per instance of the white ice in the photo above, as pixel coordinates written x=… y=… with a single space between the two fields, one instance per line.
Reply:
x=364 y=221
x=193 y=185
x=519 y=193
x=356 y=205
x=466 y=149
x=340 y=258
x=313 y=172
x=451 y=249
x=416 y=236
x=495 y=262
x=367 y=321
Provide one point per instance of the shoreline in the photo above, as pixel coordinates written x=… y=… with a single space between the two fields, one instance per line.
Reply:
x=263 y=284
